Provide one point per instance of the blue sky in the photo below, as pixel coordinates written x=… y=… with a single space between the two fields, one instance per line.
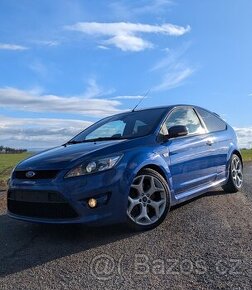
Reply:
x=66 y=63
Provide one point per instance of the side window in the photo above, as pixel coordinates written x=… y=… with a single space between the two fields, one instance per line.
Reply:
x=108 y=130
x=213 y=123
x=186 y=117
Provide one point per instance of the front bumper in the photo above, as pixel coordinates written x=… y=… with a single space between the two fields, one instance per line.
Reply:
x=63 y=200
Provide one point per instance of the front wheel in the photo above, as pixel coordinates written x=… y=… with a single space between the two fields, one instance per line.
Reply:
x=148 y=200
x=235 y=180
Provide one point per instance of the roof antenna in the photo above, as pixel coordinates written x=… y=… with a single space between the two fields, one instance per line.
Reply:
x=144 y=96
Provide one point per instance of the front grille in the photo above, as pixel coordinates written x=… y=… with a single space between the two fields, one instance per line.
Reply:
x=39 y=204
x=39 y=174
x=41 y=210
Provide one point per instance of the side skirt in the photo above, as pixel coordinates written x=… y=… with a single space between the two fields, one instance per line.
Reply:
x=198 y=191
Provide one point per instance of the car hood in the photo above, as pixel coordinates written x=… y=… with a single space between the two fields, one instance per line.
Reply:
x=64 y=157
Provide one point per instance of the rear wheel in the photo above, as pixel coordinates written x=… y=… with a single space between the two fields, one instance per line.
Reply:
x=235 y=180
x=148 y=200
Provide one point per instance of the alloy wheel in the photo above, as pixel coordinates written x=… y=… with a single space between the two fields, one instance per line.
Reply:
x=147 y=200
x=236 y=171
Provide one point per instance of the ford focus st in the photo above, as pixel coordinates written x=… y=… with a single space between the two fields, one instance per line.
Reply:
x=130 y=167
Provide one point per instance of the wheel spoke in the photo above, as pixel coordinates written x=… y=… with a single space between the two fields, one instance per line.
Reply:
x=143 y=214
x=234 y=178
x=139 y=185
x=239 y=174
x=156 y=205
x=133 y=202
x=154 y=187
x=235 y=163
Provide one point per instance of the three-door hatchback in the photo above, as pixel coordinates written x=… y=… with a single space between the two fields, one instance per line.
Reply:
x=130 y=167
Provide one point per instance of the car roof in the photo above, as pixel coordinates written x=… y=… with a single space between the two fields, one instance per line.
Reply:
x=168 y=108
x=165 y=107
x=174 y=106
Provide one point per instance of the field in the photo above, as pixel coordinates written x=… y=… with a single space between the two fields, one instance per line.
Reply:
x=8 y=161
x=246 y=154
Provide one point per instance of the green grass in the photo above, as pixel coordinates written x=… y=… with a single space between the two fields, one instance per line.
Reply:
x=246 y=154
x=8 y=162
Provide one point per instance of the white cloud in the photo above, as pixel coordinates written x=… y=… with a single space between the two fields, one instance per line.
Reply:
x=47 y=42
x=38 y=67
x=102 y=47
x=128 y=97
x=174 y=70
x=174 y=78
x=244 y=136
x=129 y=42
x=38 y=132
x=123 y=34
x=250 y=95
x=155 y=6
x=116 y=28
x=7 y=46
x=129 y=10
x=88 y=103
x=172 y=57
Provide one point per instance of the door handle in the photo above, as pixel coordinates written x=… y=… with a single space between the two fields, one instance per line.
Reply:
x=209 y=142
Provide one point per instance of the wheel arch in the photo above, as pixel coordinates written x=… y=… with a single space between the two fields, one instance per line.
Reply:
x=166 y=175
x=153 y=161
x=234 y=151
x=238 y=153
x=156 y=168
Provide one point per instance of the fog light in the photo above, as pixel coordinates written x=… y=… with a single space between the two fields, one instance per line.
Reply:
x=92 y=202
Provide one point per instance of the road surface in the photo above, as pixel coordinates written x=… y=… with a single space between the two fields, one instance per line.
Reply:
x=202 y=244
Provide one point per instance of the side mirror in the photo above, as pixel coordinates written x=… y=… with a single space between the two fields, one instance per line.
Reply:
x=177 y=131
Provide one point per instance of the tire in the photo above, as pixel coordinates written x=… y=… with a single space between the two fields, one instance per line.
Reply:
x=235 y=179
x=148 y=200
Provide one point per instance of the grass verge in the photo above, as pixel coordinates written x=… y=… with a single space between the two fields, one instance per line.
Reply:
x=7 y=163
x=246 y=154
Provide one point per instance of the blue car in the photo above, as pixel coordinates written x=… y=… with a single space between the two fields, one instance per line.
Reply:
x=130 y=167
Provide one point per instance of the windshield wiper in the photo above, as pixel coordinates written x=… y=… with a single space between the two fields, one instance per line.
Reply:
x=72 y=142
x=94 y=140
x=104 y=139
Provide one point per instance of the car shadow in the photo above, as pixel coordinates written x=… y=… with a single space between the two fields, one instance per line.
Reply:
x=26 y=245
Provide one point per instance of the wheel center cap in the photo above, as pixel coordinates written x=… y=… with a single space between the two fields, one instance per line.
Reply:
x=145 y=199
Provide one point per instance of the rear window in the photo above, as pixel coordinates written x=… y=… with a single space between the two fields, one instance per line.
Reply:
x=213 y=123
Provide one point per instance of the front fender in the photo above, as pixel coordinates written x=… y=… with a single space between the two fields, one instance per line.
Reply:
x=142 y=160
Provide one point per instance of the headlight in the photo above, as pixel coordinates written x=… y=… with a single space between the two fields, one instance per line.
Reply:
x=94 y=166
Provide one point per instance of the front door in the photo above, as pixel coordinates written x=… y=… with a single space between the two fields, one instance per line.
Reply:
x=191 y=163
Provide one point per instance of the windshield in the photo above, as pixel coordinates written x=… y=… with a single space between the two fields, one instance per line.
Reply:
x=122 y=126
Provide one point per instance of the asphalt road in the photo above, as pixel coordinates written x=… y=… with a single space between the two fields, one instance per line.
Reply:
x=202 y=244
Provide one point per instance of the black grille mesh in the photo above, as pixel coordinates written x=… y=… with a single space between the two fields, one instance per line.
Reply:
x=41 y=210
x=39 y=204
x=35 y=196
